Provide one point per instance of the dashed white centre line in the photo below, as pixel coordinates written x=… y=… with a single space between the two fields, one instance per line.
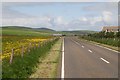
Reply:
x=104 y=60
x=82 y=46
x=90 y=51
x=77 y=43
x=62 y=68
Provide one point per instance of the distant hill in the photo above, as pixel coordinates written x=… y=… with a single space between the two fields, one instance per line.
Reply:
x=79 y=32
x=15 y=27
x=21 y=30
x=44 y=29
x=28 y=28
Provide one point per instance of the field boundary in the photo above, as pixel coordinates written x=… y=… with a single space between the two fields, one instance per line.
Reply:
x=48 y=66
x=24 y=67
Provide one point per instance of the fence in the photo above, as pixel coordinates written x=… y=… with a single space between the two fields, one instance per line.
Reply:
x=24 y=49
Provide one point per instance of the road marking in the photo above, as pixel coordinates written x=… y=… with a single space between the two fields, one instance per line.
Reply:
x=90 y=50
x=62 y=68
x=76 y=42
x=104 y=60
x=107 y=48
x=82 y=46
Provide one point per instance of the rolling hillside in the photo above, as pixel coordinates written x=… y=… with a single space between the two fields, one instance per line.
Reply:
x=19 y=30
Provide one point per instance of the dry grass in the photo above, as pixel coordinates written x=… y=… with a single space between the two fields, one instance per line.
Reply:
x=47 y=67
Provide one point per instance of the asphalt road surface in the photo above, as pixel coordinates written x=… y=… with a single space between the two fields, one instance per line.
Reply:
x=84 y=60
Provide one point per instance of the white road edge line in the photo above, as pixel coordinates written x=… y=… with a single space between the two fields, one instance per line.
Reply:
x=107 y=48
x=62 y=68
x=104 y=60
x=90 y=50
x=82 y=46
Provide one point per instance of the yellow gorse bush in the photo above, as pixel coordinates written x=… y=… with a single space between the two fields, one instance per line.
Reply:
x=35 y=40
x=17 y=46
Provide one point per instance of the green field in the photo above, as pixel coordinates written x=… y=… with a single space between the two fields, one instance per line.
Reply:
x=22 y=67
x=15 y=38
x=23 y=31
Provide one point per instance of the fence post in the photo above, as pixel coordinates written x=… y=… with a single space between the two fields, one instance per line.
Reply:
x=22 y=52
x=34 y=45
x=44 y=42
x=38 y=44
x=29 y=47
x=11 y=57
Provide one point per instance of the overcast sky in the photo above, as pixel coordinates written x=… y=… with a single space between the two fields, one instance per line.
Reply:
x=60 y=15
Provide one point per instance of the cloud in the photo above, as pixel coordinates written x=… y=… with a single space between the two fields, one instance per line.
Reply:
x=83 y=19
x=58 y=20
x=94 y=22
x=107 y=16
x=110 y=18
x=58 y=23
x=94 y=17
x=32 y=21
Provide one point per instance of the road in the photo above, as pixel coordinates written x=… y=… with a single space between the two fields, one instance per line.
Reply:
x=85 y=60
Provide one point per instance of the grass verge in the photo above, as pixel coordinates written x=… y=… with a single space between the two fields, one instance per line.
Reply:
x=104 y=45
x=47 y=67
x=24 y=67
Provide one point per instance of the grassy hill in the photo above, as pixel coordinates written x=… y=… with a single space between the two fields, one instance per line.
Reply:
x=44 y=29
x=19 y=30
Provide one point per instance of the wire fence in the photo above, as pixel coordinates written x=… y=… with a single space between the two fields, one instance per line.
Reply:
x=24 y=49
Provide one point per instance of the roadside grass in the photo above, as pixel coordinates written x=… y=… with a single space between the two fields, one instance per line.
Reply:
x=101 y=44
x=24 y=67
x=115 y=42
x=48 y=66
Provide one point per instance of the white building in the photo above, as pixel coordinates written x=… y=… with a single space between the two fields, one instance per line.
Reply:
x=111 y=29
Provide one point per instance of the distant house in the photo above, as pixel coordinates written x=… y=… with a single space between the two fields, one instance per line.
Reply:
x=111 y=29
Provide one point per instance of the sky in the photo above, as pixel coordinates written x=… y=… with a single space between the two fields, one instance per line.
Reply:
x=60 y=15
